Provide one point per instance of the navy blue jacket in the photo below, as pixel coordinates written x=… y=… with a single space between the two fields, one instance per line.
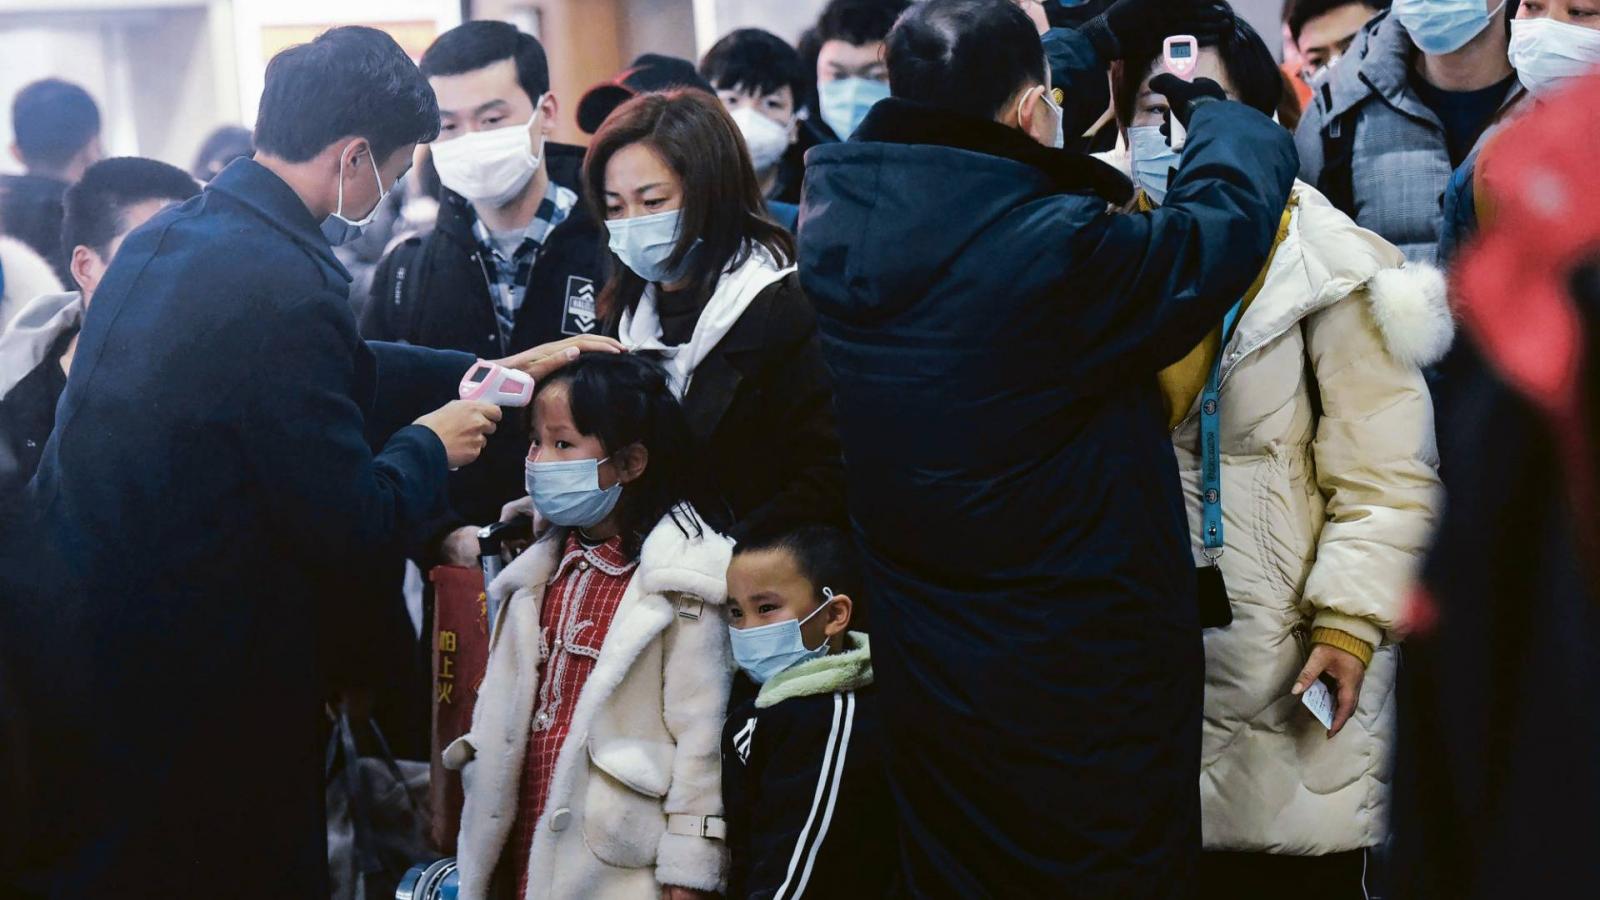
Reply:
x=994 y=334
x=212 y=495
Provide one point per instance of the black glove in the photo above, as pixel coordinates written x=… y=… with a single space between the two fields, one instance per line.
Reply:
x=1184 y=97
x=1133 y=24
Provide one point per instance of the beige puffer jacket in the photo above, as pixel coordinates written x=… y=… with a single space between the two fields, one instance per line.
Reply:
x=1330 y=493
x=635 y=800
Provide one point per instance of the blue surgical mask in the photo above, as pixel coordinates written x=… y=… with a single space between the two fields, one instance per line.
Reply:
x=1438 y=27
x=1153 y=160
x=568 y=492
x=645 y=245
x=766 y=650
x=340 y=230
x=845 y=102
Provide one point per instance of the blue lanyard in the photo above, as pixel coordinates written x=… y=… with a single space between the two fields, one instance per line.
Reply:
x=1211 y=446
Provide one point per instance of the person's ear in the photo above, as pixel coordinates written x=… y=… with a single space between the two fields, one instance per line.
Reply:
x=355 y=156
x=16 y=154
x=1028 y=110
x=631 y=462
x=550 y=107
x=87 y=269
x=838 y=616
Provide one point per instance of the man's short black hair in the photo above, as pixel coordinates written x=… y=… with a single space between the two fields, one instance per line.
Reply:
x=858 y=22
x=1302 y=11
x=349 y=81
x=968 y=56
x=824 y=554
x=53 y=120
x=477 y=45
x=757 y=61
x=96 y=204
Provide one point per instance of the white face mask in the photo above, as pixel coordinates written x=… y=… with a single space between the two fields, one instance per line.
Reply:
x=1152 y=160
x=766 y=139
x=1547 y=54
x=341 y=229
x=490 y=167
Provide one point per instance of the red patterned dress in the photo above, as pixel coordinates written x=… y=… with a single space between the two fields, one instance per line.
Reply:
x=580 y=603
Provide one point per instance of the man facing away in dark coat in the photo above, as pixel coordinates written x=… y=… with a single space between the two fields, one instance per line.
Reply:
x=210 y=501
x=994 y=335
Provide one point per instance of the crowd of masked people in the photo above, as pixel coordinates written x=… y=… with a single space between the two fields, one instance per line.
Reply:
x=1123 y=406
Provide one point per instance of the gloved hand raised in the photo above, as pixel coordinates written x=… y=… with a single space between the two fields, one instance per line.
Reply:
x=1184 y=97
x=1144 y=23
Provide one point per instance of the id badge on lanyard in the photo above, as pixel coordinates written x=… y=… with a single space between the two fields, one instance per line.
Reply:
x=1215 y=609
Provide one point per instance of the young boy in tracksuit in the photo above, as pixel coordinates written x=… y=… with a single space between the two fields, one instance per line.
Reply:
x=808 y=809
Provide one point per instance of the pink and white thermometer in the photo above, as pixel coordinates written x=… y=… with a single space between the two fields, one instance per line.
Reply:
x=497 y=384
x=1180 y=55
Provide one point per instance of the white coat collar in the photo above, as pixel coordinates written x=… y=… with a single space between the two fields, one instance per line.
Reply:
x=669 y=562
x=640 y=328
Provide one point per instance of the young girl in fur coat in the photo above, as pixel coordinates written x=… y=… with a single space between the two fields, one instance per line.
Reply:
x=592 y=767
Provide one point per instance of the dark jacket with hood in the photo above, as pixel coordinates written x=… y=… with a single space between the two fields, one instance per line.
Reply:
x=994 y=334
x=432 y=290
x=213 y=502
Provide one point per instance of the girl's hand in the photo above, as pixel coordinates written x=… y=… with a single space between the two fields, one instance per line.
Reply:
x=1347 y=672
x=673 y=892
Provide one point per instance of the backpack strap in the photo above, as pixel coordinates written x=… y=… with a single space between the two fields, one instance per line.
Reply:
x=402 y=288
x=1338 y=142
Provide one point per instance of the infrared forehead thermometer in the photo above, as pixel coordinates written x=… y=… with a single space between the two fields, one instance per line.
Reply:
x=1180 y=54
x=497 y=384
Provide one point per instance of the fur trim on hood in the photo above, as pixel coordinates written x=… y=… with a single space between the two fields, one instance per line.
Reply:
x=1412 y=309
x=847 y=671
x=669 y=561
x=1337 y=258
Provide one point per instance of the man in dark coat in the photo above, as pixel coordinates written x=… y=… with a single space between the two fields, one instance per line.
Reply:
x=994 y=335
x=211 y=499
x=1497 y=733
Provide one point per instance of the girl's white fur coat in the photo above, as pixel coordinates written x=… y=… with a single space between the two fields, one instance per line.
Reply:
x=645 y=734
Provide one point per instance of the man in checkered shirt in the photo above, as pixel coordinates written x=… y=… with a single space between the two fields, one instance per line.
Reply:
x=515 y=259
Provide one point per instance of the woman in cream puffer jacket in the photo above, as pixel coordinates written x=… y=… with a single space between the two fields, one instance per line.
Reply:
x=1329 y=492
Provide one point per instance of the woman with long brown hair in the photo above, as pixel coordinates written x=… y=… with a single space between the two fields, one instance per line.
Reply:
x=704 y=279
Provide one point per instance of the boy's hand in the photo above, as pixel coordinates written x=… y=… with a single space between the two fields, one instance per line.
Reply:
x=673 y=892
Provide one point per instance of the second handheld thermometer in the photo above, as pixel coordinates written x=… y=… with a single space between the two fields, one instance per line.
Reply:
x=1180 y=55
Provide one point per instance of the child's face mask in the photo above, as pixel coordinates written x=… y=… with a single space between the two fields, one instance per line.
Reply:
x=568 y=492
x=766 y=650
